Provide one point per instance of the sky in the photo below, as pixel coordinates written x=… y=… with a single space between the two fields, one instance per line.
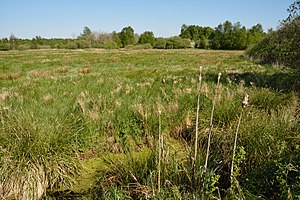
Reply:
x=67 y=18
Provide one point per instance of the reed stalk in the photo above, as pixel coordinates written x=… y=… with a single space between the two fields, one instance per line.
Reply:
x=211 y=121
x=197 y=121
x=244 y=104
x=159 y=150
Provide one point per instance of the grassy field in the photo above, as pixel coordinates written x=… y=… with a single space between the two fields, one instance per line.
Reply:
x=89 y=124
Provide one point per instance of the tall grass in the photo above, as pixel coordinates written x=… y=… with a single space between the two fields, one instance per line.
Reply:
x=33 y=157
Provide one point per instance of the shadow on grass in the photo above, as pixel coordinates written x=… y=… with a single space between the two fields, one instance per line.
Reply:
x=283 y=82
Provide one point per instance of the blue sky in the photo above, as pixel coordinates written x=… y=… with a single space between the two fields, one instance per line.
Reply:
x=67 y=18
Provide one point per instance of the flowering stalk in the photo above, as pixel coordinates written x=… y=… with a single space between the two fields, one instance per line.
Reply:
x=197 y=119
x=244 y=104
x=211 y=121
x=159 y=149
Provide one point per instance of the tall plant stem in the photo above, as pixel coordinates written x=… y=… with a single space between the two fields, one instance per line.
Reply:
x=234 y=146
x=244 y=104
x=197 y=120
x=159 y=150
x=211 y=121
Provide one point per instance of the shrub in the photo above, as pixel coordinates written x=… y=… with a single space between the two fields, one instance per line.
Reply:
x=110 y=45
x=4 y=47
x=23 y=47
x=142 y=46
x=280 y=47
x=160 y=43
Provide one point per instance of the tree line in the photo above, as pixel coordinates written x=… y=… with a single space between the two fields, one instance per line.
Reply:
x=225 y=36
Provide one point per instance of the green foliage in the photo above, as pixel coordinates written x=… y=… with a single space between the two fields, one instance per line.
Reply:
x=235 y=187
x=71 y=45
x=110 y=45
x=147 y=38
x=23 y=47
x=195 y=33
x=117 y=39
x=142 y=46
x=224 y=36
x=281 y=46
x=86 y=39
x=4 y=45
x=177 y=42
x=294 y=11
x=160 y=43
x=127 y=36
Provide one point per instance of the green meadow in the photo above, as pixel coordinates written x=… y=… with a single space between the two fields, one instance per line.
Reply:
x=122 y=124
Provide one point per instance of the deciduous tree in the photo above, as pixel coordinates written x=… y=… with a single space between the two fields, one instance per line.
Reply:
x=127 y=36
x=147 y=38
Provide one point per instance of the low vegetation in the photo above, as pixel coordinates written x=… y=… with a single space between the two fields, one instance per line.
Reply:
x=91 y=124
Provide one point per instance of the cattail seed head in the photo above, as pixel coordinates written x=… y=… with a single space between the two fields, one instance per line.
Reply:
x=245 y=101
x=219 y=76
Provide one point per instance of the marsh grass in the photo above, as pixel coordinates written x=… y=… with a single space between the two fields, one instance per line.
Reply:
x=55 y=118
x=33 y=158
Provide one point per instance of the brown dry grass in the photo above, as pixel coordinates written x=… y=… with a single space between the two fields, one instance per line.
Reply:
x=85 y=70
x=10 y=76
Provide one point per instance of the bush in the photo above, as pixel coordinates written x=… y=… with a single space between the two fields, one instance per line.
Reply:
x=280 y=47
x=110 y=45
x=23 y=47
x=4 y=47
x=160 y=43
x=143 y=46
x=71 y=45
x=177 y=43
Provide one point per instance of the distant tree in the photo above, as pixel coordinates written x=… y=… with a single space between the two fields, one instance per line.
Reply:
x=255 y=34
x=4 y=44
x=217 y=37
x=83 y=44
x=33 y=44
x=202 y=43
x=13 y=41
x=294 y=11
x=102 y=38
x=88 y=36
x=116 y=38
x=183 y=28
x=235 y=36
x=127 y=36
x=199 y=35
x=177 y=42
x=227 y=40
x=111 y=45
x=71 y=45
x=147 y=38
x=239 y=37
x=160 y=43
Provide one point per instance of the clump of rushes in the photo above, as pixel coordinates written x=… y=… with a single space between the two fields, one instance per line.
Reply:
x=33 y=158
